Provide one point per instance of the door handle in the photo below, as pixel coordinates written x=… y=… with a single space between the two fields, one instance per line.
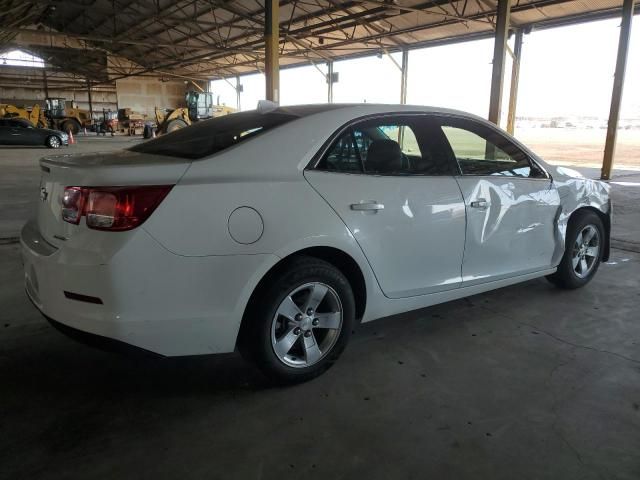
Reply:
x=480 y=203
x=367 y=206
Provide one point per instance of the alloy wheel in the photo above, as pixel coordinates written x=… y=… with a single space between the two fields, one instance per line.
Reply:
x=586 y=251
x=306 y=325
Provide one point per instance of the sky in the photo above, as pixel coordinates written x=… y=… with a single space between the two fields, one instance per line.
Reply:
x=17 y=57
x=565 y=71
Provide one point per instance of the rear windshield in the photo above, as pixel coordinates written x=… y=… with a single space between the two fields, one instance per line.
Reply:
x=211 y=136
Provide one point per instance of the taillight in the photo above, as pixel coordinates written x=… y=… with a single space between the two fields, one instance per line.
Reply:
x=111 y=208
x=72 y=204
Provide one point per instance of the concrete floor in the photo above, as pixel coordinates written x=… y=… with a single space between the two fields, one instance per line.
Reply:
x=527 y=382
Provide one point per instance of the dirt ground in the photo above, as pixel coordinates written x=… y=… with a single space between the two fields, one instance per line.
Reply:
x=581 y=147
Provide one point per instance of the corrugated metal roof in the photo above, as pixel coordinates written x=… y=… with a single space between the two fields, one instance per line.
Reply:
x=209 y=39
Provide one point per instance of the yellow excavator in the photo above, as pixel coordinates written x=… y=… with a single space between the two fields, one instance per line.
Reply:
x=35 y=116
x=199 y=107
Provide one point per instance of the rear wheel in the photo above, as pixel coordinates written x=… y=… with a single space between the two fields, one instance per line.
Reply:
x=300 y=325
x=53 y=141
x=584 y=244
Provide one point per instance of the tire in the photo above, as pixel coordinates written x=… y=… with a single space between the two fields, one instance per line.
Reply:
x=301 y=345
x=176 y=125
x=53 y=141
x=70 y=126
x=584 y=247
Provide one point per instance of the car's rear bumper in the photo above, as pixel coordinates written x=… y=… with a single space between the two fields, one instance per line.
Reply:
x=98 y=341
x=143 y=295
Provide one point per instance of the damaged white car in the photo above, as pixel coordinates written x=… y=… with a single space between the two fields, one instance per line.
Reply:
x=278 y=230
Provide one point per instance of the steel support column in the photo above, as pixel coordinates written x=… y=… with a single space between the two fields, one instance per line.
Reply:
x=330 y=82
x=45 y=82
x=618 y=84
x=404 y=70
x=499 y=54
x=271 y=46
x=238 y=92
x=515 y=79
x=90 y=100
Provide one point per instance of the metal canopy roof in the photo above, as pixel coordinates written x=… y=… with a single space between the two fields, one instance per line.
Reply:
x=203 y=39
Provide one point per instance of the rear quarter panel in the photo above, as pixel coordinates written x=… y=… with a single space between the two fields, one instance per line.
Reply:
x=265 y=174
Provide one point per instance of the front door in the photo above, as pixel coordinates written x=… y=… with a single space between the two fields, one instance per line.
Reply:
x=512 y=205
x=400 y=202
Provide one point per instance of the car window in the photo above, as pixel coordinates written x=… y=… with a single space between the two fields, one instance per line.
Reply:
x=215 y=135
x=385 y=146
x=373 y=148
x=344 y=155
x=19 y=123
x=480 y=150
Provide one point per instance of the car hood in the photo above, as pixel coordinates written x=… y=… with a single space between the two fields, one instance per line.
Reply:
x=50 y=131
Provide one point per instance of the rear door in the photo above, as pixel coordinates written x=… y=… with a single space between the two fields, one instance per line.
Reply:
x=511 y=203
x=10 y=134
x=19 y=132
x=399 y=200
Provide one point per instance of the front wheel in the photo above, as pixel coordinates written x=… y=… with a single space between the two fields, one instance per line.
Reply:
x=584 y=246
x=176 y=124
x=53 y=141
x=300 y=325
x=70 y=126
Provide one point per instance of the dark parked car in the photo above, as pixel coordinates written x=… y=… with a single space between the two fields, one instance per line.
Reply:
x=17 y=131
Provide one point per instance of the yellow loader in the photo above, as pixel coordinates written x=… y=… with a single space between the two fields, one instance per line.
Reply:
x=35 y=116
x=66 y=118
x=199 y=107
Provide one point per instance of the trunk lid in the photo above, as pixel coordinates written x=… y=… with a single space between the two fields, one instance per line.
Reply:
x=96 y=170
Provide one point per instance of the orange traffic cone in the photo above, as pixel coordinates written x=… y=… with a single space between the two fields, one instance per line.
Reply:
x=72 y=140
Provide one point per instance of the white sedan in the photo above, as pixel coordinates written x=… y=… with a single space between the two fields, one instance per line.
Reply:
x=277 y=230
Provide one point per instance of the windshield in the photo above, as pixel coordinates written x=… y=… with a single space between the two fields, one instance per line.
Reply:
x=212 y=136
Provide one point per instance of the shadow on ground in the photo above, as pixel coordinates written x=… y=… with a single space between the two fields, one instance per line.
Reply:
x=477 y=388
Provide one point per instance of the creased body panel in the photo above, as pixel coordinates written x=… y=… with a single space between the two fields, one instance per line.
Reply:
x=511 y=226
x=577 y=192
